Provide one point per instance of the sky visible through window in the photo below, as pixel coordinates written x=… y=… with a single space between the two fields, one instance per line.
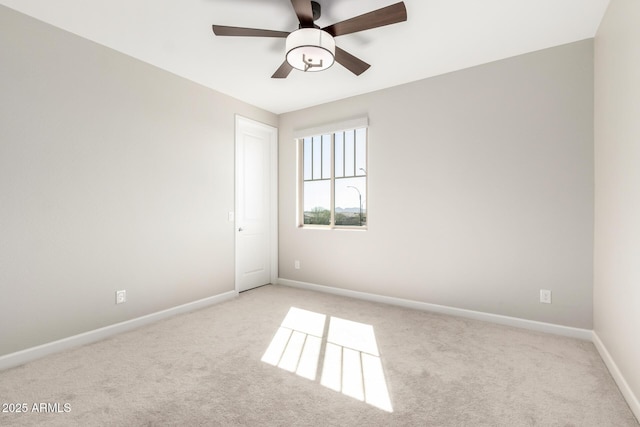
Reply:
x=350 y=168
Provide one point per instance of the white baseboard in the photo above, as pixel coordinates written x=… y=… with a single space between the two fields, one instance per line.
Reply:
x=630 y=397
x=21 y=357
x=584 y=334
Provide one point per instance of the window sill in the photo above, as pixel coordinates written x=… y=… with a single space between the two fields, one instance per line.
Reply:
x=329 y=228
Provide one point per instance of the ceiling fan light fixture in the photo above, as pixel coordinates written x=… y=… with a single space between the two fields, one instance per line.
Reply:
x=310 y=49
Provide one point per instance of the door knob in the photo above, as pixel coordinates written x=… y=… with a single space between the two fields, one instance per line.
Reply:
x=240 y=229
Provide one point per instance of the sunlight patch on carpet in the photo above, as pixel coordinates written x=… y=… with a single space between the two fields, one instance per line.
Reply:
x=297 y=343
x=351 y=362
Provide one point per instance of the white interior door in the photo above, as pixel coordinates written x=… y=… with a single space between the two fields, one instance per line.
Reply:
x=256 y=204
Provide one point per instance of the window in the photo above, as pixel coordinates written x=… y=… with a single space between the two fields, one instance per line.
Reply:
x=334 y=179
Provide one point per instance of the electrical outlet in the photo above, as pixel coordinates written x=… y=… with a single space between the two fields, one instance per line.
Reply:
x=545 y=296
x=296 y=264
x=121 y=297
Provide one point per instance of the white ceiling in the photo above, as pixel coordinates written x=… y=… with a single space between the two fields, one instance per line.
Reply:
x=440 y=36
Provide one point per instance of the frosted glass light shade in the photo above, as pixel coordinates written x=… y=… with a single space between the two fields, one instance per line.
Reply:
x=310 y=49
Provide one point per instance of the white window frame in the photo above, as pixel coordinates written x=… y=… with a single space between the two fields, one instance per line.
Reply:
x=329 y=129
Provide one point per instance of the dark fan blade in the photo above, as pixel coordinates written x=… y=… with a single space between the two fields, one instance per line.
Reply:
x=221 y=30
x=378 y=18
x=304 y=12
x=350 y=62
x=283 y=71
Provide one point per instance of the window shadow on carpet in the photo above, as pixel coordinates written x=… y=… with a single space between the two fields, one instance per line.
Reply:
x=346 y=350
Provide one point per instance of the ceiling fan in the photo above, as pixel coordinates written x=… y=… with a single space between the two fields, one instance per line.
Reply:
x=311 y=48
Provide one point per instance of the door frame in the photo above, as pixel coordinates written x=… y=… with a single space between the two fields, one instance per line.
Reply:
x=273 y=199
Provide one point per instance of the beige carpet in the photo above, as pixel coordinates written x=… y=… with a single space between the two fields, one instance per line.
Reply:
x=205 y=368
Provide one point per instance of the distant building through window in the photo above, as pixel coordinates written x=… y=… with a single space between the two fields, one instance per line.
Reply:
x=334 y=179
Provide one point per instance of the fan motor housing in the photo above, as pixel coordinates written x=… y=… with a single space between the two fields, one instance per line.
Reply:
x=316 y=9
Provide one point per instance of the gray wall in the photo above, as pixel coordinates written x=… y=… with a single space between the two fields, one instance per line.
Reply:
x=480 y=191
x=617 y=197
x=113 y=175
